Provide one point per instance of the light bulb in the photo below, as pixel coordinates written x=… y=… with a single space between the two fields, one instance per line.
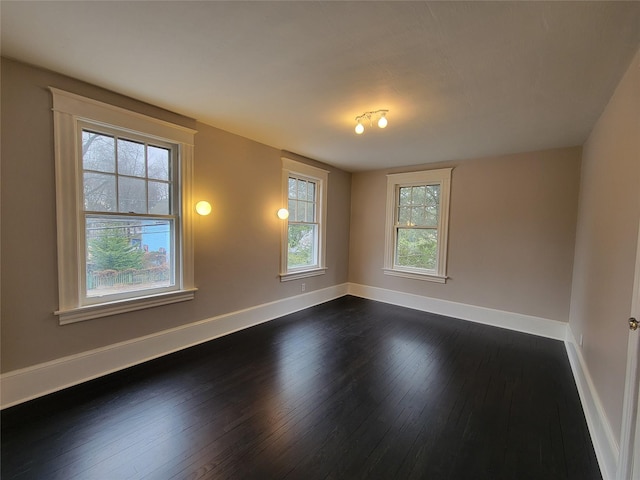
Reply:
x=359 y=128
x=283 y=214
x=383 y=121
x=203 y=208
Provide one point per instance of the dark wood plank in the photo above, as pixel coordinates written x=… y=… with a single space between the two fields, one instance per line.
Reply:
x=345 y=390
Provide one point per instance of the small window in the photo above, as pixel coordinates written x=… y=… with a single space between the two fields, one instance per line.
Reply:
x=417 y=224
x=123 y=195
x=304 y=234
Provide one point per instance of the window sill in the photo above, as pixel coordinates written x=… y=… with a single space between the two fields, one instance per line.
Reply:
x=106 y=309
x=428 y=277
x=285 y=277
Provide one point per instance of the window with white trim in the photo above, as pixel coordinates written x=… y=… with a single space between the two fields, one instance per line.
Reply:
x=417 y=224
x=123 y=192
x=303 y=233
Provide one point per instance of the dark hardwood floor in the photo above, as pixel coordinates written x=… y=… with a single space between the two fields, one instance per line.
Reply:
x=351 y=389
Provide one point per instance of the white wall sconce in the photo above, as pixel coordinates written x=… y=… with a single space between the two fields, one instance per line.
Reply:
x=283 y=214
x=379 y=115
x=203 y=208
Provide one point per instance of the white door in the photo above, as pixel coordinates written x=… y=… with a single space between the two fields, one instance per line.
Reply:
x=629 y=460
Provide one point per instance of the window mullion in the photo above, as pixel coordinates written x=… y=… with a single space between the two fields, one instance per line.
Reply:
x=159 y=216
x=146 y=178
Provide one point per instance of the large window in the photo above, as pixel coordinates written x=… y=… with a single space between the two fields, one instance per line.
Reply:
x=123 y=185
x=303 y=239
x=129 y=213
x=417 y=224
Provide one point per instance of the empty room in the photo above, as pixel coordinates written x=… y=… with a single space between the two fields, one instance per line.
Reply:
x=320 y=240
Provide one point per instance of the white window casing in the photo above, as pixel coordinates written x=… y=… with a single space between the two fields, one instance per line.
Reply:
x=302 y=171
x=440 y=177
x=72 y=113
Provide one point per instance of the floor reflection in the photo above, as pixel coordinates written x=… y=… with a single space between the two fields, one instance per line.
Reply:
x=128 y=442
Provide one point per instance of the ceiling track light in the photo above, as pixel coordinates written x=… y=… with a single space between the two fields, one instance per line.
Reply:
x=379 y=115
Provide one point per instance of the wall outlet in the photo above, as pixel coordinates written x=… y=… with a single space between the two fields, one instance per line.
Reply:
x=304 y=287
x=580 y=340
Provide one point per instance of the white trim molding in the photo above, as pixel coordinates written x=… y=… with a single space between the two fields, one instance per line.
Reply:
x=604 y=441
x=395 y=181
x=71 y=114
x=498 y=318
x=32 y=382
x=321 y=178
x=285 y=277
x=129 y=305
x=415 y=276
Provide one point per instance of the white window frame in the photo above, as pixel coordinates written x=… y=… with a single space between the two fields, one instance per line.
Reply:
x=440 y=177
x=72 y=113
x=321 y=178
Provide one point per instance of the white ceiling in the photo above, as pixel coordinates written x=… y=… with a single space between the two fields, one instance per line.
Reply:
x=461 y=79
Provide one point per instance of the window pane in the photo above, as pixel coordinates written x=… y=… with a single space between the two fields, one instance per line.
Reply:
x=124 y=255
x=405 y=195
x=302 y=190
x=293 y=210
x=293 y=188
x=98 y=152
x=159 y=200
x=432 y=195
x=132 y=195
x=311 y=191
x=311 y=214
x=158 y=162
x=301 y=213
x=432 y=201
x=417 y=248
x=302 y=241
x=431 y=216
x=404 y=216
x=99 y=192
x=418 y=195
x=131 y=160
x=418 y=216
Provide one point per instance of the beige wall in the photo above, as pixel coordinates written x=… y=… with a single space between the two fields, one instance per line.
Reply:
x=605 y=250
x=237 y=248
x=511 y=235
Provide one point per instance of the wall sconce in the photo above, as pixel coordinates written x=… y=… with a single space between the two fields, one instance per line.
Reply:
x=283 y=214
x=203 y=208
x=380 y=115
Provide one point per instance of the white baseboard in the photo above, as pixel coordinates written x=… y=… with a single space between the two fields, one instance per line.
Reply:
x=604 y=441
x=488 y=316
x=28 y=383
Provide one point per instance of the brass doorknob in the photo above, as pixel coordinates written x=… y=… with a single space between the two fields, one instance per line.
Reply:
x=633 y=324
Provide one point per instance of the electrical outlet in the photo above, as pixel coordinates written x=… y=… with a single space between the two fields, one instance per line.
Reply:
x=580 y=341
x=304 y=287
